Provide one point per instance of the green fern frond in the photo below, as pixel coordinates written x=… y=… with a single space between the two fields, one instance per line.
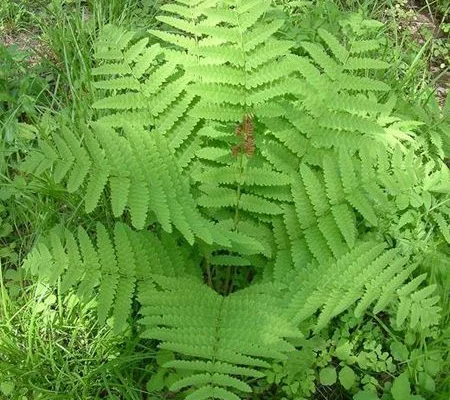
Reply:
x=60 y=259
x=325 y=211
x=308 y=296
x=390 y=288
x=108 y=266
x=214 y=55
x=317 y=243
x=341 y=121
x=207 y=329
x=345 y=220
x=298 y=243
x=269 y=50
x=364 y=46
x=344 y=282
x=137 y=182
x=83 y=163
x=353 y=82
x=303 y=206
x=358 y=105
x=338 y=50
x=315 y=189
x=331 y=229
x=260 y=34
x=444 y=227
x=319 y=55
x=355 y=63
x=91 y=265
x=110 y=278
x=126 y=278
x=228 y=150
x=334 y=188
x=280 y=157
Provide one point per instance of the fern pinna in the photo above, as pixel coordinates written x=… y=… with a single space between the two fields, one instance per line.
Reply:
x=227 y=148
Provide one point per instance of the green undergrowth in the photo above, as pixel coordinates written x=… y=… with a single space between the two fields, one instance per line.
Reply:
x=51 y=347
x=230 y=200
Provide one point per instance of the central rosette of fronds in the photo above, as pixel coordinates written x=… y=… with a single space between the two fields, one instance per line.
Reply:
x=240 y=155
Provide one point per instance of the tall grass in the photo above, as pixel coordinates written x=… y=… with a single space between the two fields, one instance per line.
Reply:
x=50 y=345
x=52 y=348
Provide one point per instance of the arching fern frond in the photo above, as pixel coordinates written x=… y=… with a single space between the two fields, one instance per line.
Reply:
x=234 y=49
x=212 y=335
x=349 y=280
x=112 y=266
x=141 y=177
x=328 y=203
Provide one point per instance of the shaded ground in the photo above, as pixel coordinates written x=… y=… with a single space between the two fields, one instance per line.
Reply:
x=30 y=43
x=421 y=23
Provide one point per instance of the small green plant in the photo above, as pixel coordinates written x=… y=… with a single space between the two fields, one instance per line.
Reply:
x=22 y=93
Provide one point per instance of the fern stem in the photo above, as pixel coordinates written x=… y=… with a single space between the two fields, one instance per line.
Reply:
x=216 y=344
x=238 y=191
x=241 y=155
x=228 y=283
x=208 y=272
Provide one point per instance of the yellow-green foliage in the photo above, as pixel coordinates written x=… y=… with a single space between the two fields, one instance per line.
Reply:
x=214 y=131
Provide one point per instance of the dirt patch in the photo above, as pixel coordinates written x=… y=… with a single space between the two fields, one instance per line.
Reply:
x=419 y=21
x=29 y=43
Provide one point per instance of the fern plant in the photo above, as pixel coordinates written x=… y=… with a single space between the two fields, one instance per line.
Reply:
x=222 y=152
